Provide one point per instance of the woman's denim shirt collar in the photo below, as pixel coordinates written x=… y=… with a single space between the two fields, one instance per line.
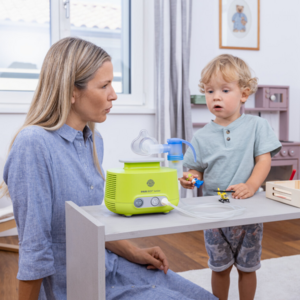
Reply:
x=69 y=133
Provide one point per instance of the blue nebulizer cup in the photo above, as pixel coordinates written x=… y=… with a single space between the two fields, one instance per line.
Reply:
x=146 y=145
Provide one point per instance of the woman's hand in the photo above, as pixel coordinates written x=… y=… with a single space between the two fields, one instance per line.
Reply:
x=241 y=191
x=153 y=257
x=185 y=183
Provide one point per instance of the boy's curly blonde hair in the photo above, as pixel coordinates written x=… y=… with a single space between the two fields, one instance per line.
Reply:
x=232 y=68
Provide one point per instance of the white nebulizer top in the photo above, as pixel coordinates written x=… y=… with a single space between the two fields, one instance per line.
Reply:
x=146 y=145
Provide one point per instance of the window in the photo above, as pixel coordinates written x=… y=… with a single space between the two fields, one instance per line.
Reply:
x=106 y=24
x=22 y=24
x=29 y=27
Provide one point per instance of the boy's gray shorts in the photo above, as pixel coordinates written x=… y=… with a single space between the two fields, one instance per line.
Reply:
x=238 y=245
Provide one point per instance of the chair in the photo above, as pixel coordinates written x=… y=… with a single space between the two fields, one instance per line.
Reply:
x=8 y=222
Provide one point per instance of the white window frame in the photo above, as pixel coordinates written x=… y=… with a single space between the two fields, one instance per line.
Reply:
x=140 y=100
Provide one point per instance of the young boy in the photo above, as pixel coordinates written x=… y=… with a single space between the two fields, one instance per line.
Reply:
x=234 y=153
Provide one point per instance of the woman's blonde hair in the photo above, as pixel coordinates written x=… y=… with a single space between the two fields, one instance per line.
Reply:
x=70 y=62
x=232 y=68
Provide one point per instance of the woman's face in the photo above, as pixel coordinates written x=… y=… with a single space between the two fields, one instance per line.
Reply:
x=94 y=103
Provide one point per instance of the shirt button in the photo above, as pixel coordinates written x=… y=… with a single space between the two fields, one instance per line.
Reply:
x=80 y=144
x=112 y=287
x=227 y=131
x=132 y=286
x=228 y=139
x=92 y=187
x=153 y=286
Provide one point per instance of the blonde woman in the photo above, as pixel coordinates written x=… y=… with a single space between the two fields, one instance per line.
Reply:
x=55 y=157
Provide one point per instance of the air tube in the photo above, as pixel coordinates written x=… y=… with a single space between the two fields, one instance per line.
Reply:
x=190 y=210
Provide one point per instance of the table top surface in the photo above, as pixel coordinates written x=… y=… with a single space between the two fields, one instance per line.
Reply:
x=259 y=209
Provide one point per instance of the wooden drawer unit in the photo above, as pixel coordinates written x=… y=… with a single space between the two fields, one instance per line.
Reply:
x=284 y=162
x=272 y=97
x=288 y=151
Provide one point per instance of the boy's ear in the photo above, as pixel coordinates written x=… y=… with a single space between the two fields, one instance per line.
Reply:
x=245 y=94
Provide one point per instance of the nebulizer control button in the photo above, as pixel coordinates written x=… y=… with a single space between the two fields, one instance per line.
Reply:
x=138 y=202
x=154 y=201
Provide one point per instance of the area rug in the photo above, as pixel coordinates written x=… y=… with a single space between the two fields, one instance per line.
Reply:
x=277 y=279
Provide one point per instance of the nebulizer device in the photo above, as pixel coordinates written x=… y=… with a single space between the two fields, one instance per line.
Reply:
x=146 y=145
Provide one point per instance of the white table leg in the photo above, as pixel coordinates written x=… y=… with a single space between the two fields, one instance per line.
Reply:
x=85 y=255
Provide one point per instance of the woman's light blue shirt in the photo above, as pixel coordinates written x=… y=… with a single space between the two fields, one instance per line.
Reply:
x=46 y=168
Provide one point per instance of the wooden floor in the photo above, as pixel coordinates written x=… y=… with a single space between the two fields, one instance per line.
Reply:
x=185 y=251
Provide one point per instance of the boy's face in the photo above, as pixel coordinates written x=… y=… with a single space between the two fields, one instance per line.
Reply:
x=224 y=99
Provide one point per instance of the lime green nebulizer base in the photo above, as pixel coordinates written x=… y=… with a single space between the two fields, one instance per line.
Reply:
x=139 y=188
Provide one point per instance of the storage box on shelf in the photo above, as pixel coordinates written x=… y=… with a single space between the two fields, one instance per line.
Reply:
x=284 y=191
x=198 y=100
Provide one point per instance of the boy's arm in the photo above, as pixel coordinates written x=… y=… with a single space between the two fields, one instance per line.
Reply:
x=259 y=174
x=188 y=184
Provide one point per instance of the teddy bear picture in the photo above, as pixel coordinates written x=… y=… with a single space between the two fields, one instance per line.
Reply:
x=239 y=19
x=239 y=24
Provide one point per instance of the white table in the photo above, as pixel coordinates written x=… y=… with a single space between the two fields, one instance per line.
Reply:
x=87 y=229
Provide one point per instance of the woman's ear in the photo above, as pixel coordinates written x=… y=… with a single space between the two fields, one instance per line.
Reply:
x=73 y=99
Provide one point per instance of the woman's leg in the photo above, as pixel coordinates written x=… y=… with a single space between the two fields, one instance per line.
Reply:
x=130 y=281
x=247 y=285
x=220 y=282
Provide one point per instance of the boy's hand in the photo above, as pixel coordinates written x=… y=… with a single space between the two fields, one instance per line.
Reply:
x=241 y=191
x=185 y=183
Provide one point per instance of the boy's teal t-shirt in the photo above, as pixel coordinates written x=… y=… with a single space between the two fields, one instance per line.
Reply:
x=226 y=155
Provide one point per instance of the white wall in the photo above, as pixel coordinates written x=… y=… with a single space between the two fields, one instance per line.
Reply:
x=118 y=131
x=276 y=63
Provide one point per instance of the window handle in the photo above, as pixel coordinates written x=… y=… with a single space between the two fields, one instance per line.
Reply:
x=67 y=8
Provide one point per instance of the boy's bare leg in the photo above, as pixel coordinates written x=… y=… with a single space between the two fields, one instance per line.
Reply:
x=220 y=282
x=247 y=285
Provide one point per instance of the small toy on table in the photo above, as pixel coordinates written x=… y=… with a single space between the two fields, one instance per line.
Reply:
x=223 y=195
x=195 y=181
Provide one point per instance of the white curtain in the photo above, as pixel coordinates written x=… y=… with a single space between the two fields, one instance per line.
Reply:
x=172 y=60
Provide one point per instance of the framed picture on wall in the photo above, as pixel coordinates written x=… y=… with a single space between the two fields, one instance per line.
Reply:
x=239 y=24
